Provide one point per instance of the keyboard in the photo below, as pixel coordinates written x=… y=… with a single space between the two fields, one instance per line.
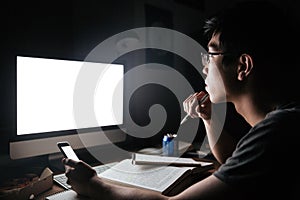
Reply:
x=61 y=179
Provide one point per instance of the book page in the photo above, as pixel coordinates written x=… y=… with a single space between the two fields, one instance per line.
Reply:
x=157 y=178
x=140 y=159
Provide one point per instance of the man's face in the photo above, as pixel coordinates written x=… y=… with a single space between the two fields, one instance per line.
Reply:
x=215 y=73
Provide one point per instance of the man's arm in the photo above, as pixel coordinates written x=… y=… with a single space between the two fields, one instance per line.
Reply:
x=210 y=188
x=221 y=143
x=85 y=181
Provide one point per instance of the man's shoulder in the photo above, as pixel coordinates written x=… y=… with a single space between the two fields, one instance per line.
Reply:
x=284 y=118
x=291 y=109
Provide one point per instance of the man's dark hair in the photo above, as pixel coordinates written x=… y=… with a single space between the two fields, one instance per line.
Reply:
x=264 y=31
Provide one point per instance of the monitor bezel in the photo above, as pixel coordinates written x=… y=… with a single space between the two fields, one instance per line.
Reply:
x=48 y=140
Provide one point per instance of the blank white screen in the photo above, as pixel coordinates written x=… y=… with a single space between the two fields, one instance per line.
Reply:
x=45 y=95
x=70 y=152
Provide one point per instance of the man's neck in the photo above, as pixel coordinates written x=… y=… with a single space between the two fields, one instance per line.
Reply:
x=252 y=111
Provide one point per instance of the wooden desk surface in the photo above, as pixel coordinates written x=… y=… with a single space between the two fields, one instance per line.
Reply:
x=55 y=189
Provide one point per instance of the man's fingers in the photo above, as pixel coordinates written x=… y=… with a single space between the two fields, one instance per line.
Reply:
x=185 y=103
x=69 y=162
x=191 y=104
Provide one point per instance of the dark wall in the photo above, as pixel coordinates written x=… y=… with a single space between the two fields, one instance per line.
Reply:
x=71 y=29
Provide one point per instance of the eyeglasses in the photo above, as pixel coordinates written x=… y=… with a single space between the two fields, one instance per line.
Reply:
x=206 y=56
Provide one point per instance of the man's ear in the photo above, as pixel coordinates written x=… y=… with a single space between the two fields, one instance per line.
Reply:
x=245 y=66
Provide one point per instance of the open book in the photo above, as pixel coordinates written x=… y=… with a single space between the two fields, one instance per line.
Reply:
x=167 y=180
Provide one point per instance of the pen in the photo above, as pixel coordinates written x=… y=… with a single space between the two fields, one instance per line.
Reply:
x=201 y=101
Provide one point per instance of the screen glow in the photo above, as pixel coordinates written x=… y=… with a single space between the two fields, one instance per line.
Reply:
x=45 y=95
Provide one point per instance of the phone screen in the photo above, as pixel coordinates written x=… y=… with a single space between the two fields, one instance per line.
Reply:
x=69 y=152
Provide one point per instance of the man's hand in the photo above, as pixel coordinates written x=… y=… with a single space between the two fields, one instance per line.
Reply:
x=194 y=109
x=79 y=175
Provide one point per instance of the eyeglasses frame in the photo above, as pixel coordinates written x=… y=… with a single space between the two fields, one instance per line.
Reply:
x=205 y=57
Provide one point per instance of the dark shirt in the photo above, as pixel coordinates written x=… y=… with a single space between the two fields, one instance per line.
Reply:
x=263 y=163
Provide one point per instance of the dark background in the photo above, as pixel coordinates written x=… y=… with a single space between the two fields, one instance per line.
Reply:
x=67 y=29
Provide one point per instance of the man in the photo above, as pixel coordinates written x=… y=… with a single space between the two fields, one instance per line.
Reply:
x=249 y=52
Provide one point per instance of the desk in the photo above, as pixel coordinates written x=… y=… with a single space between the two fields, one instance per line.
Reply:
x=55 y=189
x=195 y=179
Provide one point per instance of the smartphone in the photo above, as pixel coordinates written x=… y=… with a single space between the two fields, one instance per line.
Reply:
x=67 y=150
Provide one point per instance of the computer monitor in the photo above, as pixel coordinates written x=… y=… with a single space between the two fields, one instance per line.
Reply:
x=45 y=106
